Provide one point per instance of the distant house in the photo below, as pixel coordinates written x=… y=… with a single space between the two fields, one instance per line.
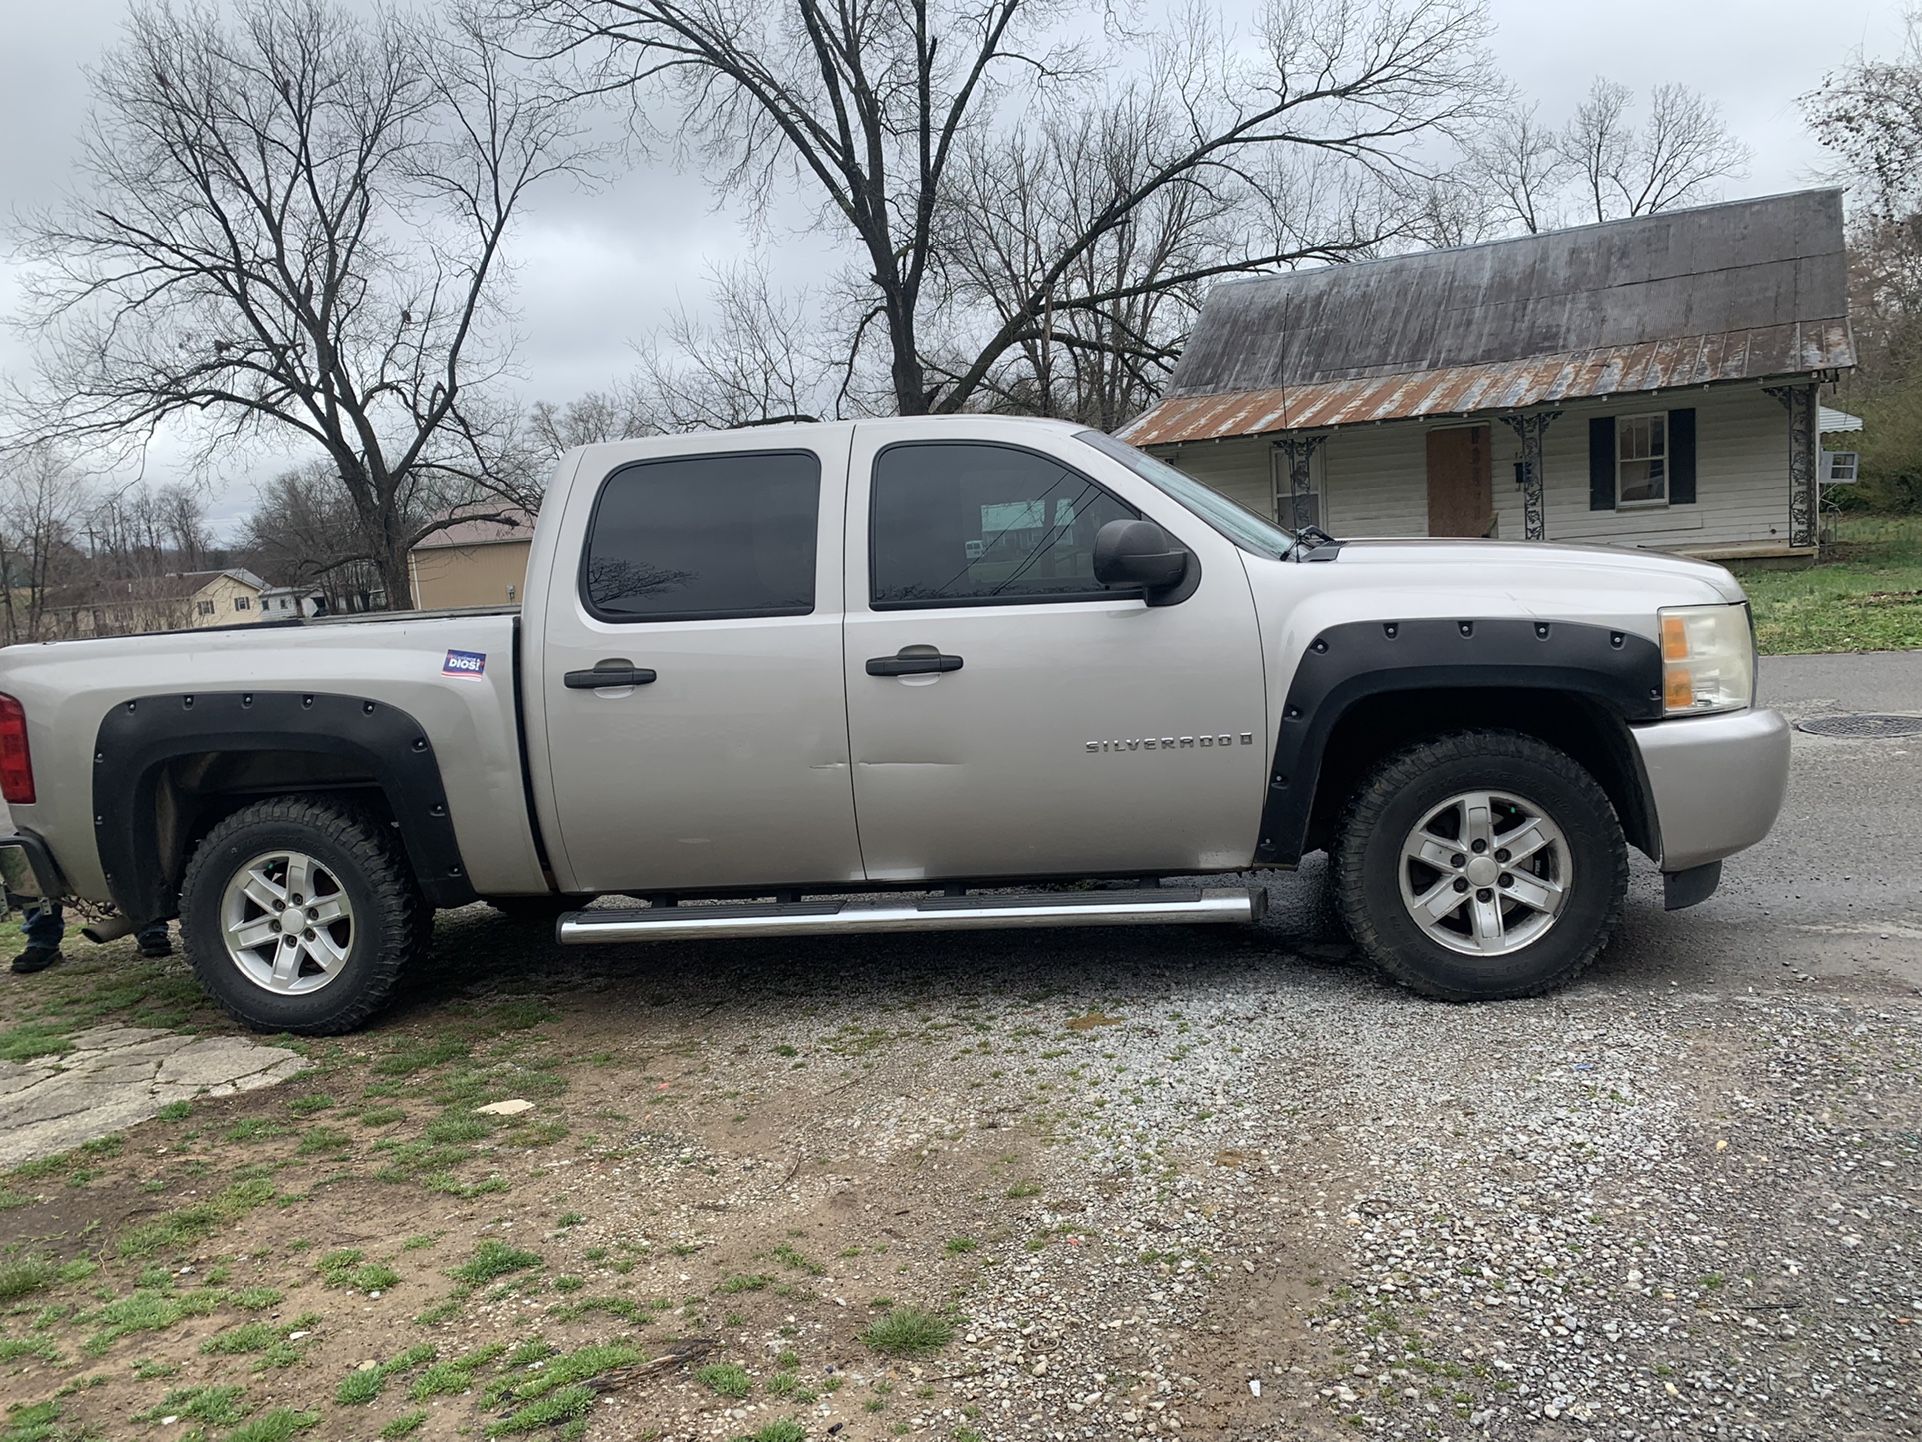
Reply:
x=286 y=603
x=181 y=601
x=227 y=597
x=1646 y=382
x=472 y=562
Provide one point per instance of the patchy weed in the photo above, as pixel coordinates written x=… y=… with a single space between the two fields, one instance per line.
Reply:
x=908 y=1332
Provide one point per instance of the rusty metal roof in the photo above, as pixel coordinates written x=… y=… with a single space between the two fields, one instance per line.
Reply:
x=1738 y=291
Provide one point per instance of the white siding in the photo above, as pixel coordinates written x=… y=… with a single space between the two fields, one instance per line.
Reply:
x=1373 y=479
x=1241 y=469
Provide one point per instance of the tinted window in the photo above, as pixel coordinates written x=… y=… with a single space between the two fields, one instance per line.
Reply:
x=956 y=522
x=705 y=536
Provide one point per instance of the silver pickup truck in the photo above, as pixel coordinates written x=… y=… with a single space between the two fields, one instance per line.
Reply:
x=908 y=674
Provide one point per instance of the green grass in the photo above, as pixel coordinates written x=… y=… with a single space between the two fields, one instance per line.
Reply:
x=363 y=1385
x=34 y=1039
x=1865 y=595
x=907 y=1332
x=275 y=1426
x=445 y=1379
x=564 y=1405
x=36 y=1274
x=493 y=1259
x=217 y=1406
x=238 y=1341
x=784 y=1430
x=183 y=1228
x=148 y=1309
x=33 y=1422
x=344 y=1268
x=405 y=1425
x=725 y=1379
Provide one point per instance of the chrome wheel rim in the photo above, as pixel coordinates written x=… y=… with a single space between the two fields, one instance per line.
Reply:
x=1485 y=873
x=287 y=922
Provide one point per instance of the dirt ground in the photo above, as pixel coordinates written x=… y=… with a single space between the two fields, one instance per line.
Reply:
x=1202 y=1183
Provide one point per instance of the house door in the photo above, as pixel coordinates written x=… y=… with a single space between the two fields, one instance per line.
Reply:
x=1461 y=495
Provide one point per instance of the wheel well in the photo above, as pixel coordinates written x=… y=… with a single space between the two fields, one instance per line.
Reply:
x=1379 y=725
x=169 y=767
x=196 y=792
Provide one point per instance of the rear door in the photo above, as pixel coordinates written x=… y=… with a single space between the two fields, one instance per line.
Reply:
x=702 y=582
x=1074 y=730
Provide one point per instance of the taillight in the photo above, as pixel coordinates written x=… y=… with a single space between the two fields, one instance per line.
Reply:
x=16 y=765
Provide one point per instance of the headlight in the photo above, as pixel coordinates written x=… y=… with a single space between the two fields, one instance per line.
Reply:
x=1708 y=659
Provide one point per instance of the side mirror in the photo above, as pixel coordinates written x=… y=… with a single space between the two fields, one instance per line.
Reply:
x=1138 y=553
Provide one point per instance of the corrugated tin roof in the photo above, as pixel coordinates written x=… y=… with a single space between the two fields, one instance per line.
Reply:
x=1496 y=386
x=1737 y=291
x=1829 y=420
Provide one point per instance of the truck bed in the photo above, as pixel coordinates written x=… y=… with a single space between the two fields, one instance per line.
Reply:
x=454 y=672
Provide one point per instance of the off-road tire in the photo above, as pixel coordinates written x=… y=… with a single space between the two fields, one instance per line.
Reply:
x=393 y=923
x=1389 y=802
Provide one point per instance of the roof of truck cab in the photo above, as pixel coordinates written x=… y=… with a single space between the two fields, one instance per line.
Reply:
x=769 y=437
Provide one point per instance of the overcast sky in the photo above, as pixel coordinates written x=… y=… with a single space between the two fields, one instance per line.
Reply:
x=595 y=272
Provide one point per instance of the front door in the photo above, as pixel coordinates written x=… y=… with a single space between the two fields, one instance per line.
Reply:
x=706 y=589
x=1009 y=717
x=1461 y=497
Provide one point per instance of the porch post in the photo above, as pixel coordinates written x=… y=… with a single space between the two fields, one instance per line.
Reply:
x=1300 y=451
x=1528 y=429
x=1803 y=481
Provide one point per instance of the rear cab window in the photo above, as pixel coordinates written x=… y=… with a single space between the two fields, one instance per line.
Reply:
x=706 y=537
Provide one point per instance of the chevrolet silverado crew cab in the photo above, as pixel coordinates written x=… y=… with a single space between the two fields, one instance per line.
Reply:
x=907 y=674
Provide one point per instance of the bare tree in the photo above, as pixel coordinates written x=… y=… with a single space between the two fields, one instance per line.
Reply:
x=43 y=510
x=753 y=360
x=1869 y=114
x=292 y=225
x=303 y=532
x=1673 y=158
x=874 y=106
x=609 y=415
x=182 y=515
x=1520 y=168
x=1095 y=338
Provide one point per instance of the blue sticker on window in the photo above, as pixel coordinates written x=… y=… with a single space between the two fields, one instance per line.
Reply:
x=464 y=663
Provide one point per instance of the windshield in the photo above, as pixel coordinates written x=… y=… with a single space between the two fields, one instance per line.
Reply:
x=1235 y=521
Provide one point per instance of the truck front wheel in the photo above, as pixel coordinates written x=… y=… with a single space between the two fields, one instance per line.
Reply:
x=299 y=912
x=1480 y=866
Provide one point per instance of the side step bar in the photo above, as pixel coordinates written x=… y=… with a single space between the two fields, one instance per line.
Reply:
x=1157 y=906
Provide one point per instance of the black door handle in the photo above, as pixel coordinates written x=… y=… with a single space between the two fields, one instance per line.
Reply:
x=603 y=676
x=912 y=665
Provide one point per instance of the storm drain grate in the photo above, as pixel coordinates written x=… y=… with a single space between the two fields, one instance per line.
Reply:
x=1865 y=727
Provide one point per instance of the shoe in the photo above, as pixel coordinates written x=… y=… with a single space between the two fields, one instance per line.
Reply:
x=158 y=947
x=37 y=958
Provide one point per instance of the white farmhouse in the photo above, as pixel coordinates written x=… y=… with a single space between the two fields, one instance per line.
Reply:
x=1645 y=382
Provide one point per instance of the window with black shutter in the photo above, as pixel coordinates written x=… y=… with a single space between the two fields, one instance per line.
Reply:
x=1643 y=461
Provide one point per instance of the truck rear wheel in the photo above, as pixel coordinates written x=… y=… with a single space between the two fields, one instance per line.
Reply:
x=298 y=913
x=1480 y=866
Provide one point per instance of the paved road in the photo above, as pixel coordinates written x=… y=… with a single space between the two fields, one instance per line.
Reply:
x=1834 y=893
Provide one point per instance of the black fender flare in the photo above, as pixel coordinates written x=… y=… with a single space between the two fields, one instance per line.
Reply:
x=139 y=736
x=1347 y=663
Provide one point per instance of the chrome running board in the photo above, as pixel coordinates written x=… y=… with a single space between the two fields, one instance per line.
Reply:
x=1158 y=906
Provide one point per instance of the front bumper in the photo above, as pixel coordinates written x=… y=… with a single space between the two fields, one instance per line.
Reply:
x=1717 y=782
x=27 y=870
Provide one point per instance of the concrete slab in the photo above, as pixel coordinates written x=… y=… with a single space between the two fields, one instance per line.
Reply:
x=119 y=1075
